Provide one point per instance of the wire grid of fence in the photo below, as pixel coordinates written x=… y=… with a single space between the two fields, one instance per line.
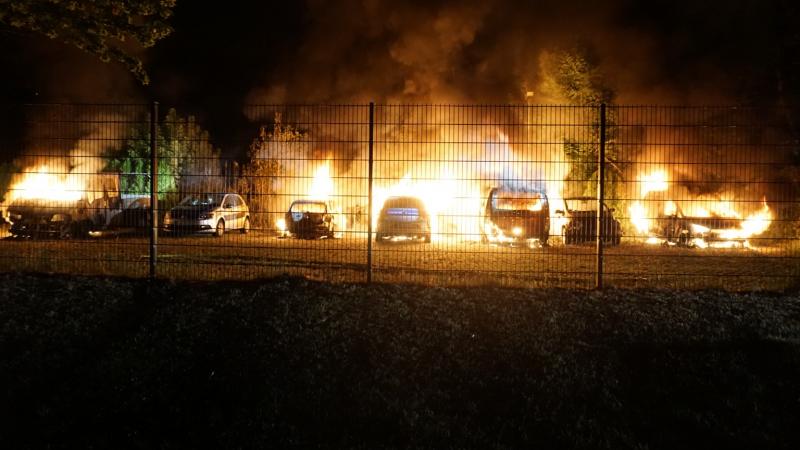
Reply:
x=436 y=194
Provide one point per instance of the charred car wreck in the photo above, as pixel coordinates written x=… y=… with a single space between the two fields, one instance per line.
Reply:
x=50 y=218
x=403 y=217
x=685 y=231
x=581 y=222
x=515 y=216
x=310 y=219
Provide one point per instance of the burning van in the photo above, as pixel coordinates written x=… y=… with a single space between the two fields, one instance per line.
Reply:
x=515 y=216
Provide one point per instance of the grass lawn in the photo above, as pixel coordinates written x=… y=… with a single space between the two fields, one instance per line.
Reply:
x=292 y=363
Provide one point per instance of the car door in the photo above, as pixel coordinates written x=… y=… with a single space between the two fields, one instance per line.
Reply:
x=241 y=210
x=229 y=212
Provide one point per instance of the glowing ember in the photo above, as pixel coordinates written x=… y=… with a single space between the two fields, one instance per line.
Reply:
x=41 y=184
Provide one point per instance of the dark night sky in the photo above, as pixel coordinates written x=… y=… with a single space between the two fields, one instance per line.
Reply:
x=221 y=56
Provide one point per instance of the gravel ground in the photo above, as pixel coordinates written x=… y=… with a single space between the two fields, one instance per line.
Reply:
x=295 y=363
x=257 y=255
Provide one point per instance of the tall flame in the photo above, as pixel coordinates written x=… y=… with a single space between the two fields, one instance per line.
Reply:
x=322 y=184
x=654 y=182
x=753 y=225
x=42 y=184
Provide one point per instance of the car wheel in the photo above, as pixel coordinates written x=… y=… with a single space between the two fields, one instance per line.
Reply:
x=220 y=230
x=246 y=227
x=67 y=231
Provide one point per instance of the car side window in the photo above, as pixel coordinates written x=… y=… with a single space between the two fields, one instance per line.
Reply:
x=228 y=203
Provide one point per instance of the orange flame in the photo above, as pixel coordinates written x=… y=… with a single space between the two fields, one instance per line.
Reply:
x=41 y=184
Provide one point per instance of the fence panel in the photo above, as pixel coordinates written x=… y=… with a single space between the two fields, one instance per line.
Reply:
x=489 y=179
x=705 y=198
x=61 y=193
x=461 y=194
x=295 y=204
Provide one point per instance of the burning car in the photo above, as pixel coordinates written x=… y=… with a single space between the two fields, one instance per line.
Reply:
x=40 y=218
x=515 y=216
x=310 y=219
x=44 y=213
x=403 y=217
x=209 y=213
x=581 y=222
x=702 y=232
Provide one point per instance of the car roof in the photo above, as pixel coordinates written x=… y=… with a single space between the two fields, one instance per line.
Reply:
x=523 y=191
x=405 y=197
x=309 y=201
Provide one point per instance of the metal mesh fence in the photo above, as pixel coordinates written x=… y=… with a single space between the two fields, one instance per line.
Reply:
x=435 y=194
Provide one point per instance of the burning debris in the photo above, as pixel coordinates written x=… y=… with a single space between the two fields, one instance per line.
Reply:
x=699 y=222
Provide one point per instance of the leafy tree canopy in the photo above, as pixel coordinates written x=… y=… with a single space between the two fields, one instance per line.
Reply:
x=99 y=27
x=186 y=159
x=573 y=76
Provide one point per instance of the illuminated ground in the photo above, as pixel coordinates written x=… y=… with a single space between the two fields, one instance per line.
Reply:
x=256 y=255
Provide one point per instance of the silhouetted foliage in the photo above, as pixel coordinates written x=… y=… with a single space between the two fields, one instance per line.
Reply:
x=99 y=27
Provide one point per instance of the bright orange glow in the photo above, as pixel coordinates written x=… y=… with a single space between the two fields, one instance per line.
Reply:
x=322 y=185
x=654 y=182
x=639 y=217
x=41 y=184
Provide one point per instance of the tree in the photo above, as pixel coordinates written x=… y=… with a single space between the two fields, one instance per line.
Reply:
x=261 y=170
x=99 y=27
x=187 y=162
x=573 y=76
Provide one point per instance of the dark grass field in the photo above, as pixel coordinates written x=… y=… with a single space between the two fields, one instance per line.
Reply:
x=291 y=363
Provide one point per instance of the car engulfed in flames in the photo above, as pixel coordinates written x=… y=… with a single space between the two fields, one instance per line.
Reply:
x=55 y=205
x=695 y=222
x=516 y=216
x=711 y=230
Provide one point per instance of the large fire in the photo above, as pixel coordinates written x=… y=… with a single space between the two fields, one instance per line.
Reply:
x=697 y=215
x=452 y=205
x=42 y=184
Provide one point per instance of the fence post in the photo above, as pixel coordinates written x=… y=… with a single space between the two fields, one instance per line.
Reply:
x=369 y=172
x=153 y=188
x=601 y=172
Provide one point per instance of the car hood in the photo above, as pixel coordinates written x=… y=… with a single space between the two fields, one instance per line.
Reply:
x=197 y=209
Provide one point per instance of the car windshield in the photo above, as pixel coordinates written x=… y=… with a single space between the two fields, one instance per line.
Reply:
x=140 y=204
x=581 y=204
x=308 y=207
x=518 y=201
x=202 y=200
